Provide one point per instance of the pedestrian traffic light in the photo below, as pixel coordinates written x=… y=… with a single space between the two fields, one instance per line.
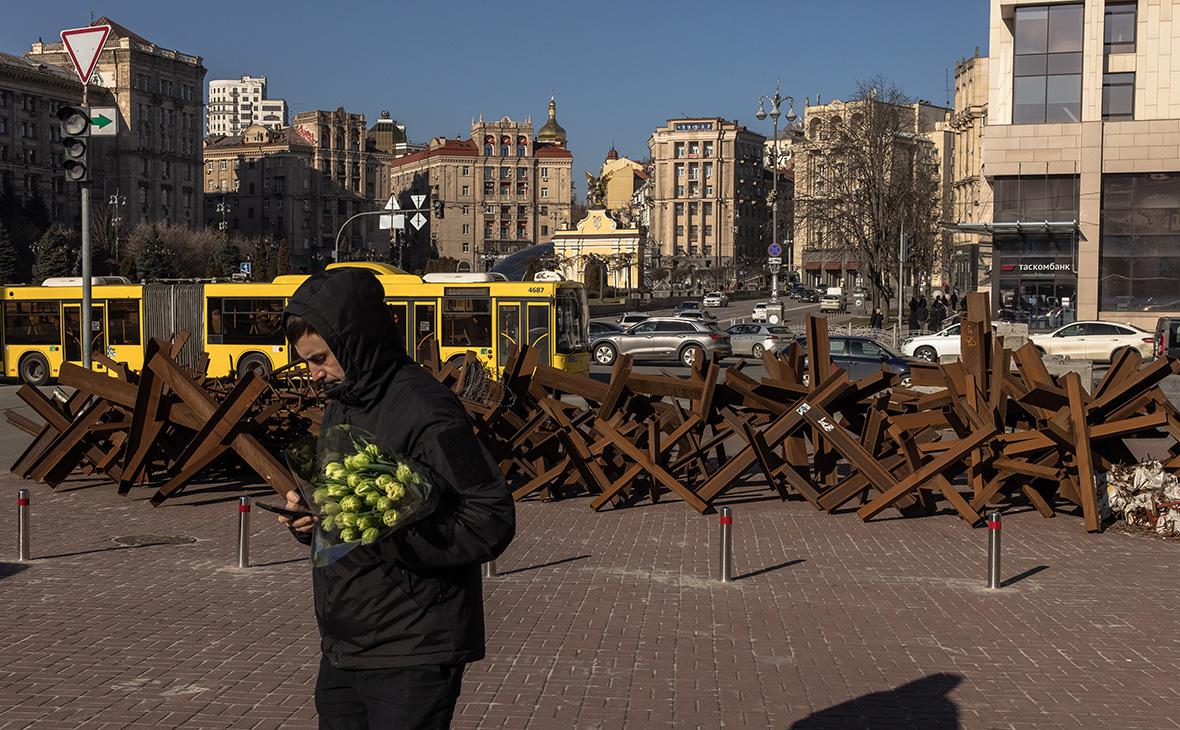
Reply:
x=75 y=139
x=438 y=208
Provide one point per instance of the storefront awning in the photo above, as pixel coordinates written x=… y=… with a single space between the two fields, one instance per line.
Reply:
x=1017 y=228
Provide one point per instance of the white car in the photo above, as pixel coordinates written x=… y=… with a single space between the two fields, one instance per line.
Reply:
x=932 y=347
x=1092 y=340
x=759 y=314
x=715 y=299
x=831 y=303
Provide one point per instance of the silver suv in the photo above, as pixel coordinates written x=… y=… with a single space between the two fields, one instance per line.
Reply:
x=664 y=338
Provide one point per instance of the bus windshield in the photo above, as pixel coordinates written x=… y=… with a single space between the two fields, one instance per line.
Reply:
x=571 y=323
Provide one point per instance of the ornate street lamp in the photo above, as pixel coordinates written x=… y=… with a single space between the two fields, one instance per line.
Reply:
x=775 y=107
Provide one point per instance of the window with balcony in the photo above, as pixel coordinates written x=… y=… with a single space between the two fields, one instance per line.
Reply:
x=1118 y=97
x=1048 y=64
x=1119 y=28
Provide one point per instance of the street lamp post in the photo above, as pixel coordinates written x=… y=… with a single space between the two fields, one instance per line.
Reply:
x=116 y=201
x=775 y=106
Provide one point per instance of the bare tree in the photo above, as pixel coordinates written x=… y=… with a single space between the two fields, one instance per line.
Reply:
x=874 y=175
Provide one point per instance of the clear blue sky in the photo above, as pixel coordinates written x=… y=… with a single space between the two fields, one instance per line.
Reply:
x=618 y=68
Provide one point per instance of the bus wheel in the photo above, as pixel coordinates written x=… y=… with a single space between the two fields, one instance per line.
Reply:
x=254 y=362
x=34 y=369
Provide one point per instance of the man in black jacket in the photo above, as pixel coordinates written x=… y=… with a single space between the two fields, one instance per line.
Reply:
x=400 y=618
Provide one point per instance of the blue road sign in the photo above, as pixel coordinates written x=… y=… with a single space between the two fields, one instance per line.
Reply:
x=246 y=267
x=774 y=249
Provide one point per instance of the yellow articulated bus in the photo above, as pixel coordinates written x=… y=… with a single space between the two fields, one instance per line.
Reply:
x=239 y=325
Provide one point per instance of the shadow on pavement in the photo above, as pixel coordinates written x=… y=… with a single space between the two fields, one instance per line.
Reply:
x=107 y=549
x=770 y=569
x=10 y=569
x=279 y=562
x=550 y=564
x=1021 y=576
x=923 y=703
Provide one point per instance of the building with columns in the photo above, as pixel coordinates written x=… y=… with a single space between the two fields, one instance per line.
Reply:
x=1082 y=153
x=501 y=190
x=971 y=201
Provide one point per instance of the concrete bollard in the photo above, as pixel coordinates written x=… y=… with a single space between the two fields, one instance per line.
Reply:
x=243 y=532
x=993 y=549
x=22 y=525
x=726 y=523
x=489 y=569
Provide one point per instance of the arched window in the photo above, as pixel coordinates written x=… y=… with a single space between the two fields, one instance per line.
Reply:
x=815 y=127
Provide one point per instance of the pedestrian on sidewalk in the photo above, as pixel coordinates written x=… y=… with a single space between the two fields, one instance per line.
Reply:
x=399 y=619
x=913 y=318
x=923 y=313
x=877 y=321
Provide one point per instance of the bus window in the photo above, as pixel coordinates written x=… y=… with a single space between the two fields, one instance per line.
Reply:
x=256 y=321
x=467 y=322
x=123 y=321
x=571 y=324
x=398 y=311
x=509 y=340
x=423 y=327
x=539 y=331
x=73 y=331
x=32 y=323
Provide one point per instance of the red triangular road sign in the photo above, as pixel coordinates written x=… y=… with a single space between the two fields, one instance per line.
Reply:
x=84 y=45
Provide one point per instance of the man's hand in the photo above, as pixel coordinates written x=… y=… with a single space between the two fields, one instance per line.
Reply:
x=303 y=524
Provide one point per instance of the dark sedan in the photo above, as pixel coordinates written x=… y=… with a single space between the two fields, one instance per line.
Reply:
x=864 y=356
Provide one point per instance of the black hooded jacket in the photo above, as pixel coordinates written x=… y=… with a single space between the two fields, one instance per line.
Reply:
x=416 y=597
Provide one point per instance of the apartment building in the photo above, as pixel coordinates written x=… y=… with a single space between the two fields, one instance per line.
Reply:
x=235 y=104
x=1082 y=152
x=709 y=203
x=502 y=189
x=30 y=136
x=155 y=162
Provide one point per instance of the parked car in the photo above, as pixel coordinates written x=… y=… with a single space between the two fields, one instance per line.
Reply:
x=932 y=347
x=831 y=303
x=715 y=299
x=808 y=296
x=864 y=356
x=685 y=306
x=603 y=328
x=759 y=313
x=1093 y=340
x=663 y=338
x=1167 y=337
x=755 y=339
x=629 y=318
x=795 y=290
x=696 y=314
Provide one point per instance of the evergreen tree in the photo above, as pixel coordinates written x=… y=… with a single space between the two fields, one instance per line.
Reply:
x=10 y=260
x=56 y=253
x=228 y=259
x=156 y=256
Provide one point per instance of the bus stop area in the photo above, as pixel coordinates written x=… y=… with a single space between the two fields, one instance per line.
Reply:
x=133 y=617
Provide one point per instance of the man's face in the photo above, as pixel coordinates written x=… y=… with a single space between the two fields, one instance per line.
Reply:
x=324 y=366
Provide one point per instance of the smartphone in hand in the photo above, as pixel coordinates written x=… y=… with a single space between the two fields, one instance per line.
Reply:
x=294 y=514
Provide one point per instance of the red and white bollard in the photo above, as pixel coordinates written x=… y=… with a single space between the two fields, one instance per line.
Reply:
x=993 y=549
x=22 y=525
x=726 y=523
x=243 y=532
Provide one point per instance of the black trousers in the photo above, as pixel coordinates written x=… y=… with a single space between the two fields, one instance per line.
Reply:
x=404 y=698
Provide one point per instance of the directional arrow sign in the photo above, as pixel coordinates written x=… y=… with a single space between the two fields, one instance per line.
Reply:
x=418 y=220
x=103 y=121
x=84 y=45
x=418 y=199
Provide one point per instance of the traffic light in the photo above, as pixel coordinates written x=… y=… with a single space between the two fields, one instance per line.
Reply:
x=75 y=139
x=438 y=208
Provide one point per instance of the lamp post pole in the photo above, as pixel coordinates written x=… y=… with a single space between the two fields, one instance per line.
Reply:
x=775 y=112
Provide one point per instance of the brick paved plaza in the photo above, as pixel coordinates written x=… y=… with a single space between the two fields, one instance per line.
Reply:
x=609 y=621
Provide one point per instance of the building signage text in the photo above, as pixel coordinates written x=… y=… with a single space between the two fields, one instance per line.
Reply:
x=694 y=126
x=1046 y=267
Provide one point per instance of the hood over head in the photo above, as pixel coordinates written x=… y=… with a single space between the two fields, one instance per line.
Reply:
x=347 y=308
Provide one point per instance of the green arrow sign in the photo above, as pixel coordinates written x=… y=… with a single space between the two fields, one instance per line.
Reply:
x=101 y=121
x=104 y=121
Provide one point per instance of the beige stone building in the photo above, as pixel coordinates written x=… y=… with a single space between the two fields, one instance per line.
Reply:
x=263 y=184
x=821 y=259
x=354 y=178
x=623 y=177
x=502 y=189
x=1082 y=151
x=709 y=202
x=30 y=138
x=971 y=201
x=156 y=159
x=235 y=104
